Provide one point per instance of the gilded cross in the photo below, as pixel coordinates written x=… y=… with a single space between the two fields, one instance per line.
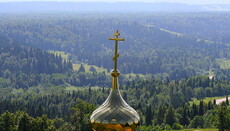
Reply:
x=116 y=39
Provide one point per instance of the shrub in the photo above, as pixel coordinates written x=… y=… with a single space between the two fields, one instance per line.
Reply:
x=177 y=126
x=168 y=127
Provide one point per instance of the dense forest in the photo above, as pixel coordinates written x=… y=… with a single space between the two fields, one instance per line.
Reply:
x=147 y=47
x=207 y=26
x=163 y=68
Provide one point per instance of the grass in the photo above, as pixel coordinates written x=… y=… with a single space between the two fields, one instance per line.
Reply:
x=195 y=130
x=64 y=55
x=224 y=63
x=74 y=88
x=165 y=30
x=206 y=99
x=129 y=76
x=87 y=67
x=171 y=32
x=76 y=66
x=209 y=42
x=134 y=75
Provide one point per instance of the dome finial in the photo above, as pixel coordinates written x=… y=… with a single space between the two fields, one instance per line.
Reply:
x=115 y=72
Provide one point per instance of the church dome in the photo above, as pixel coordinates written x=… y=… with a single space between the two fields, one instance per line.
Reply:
x=115 y=114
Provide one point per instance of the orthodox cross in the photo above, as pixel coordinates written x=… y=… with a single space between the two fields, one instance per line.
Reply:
x=116 y=39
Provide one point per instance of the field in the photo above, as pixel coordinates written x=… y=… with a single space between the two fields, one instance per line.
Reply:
x=65 y=56
x=206 y=99
x=74 y=88
x=60 y=53
x=76 y=66
x=224 y=63
x=87 y=67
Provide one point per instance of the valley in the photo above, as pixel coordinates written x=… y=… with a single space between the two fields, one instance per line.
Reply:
x=55 y=67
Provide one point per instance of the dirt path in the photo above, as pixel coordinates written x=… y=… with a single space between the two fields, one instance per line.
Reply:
x=218 y=101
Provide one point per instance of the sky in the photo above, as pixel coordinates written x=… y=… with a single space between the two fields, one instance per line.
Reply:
x=154 y=1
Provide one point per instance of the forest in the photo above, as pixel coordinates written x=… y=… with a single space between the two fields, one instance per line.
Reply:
x=166 y=61
x=160 y=51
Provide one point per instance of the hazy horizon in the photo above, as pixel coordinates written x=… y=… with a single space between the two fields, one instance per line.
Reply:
x=198 y=2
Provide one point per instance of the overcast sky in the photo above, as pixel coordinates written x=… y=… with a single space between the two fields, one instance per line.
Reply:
x=172 y=1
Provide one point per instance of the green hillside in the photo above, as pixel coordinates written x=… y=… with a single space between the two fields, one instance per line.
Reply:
x=146 y=50
x=55 y=70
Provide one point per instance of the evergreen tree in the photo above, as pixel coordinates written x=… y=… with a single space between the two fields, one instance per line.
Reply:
x=92 y=69
x=24 y=123
x=201 y=108
x=194 y=110
x=148 y=115
x=227 y=102
x=197 y=122
x=170 y=116
x=188 y=93
x=210 y=105
x=224 y=118
x=42 y=124
x=7 y=122
x=81 y=69
x=160 y=113
x=90 y=91
x=39 y=110
x=80 y=117
x=185 y=117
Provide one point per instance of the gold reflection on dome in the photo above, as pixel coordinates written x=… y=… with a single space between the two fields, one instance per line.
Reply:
x=115 y=114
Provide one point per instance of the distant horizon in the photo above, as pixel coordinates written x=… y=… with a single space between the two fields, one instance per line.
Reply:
x=122 y=7
x=191 y=2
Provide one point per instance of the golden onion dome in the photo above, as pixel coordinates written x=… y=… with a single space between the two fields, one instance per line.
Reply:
x=115 y=114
